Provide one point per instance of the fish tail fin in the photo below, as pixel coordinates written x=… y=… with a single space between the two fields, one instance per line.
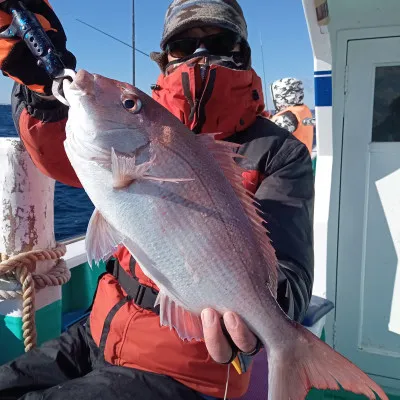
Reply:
x=311 y=363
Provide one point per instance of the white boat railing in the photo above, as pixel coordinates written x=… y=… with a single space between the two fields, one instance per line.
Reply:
x=76 y=253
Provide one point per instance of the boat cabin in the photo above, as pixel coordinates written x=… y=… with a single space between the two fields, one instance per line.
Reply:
x=356 y=46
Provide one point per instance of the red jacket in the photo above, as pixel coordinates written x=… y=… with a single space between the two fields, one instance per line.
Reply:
x=279 y=173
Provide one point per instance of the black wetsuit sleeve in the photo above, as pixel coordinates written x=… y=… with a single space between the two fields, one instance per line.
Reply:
x=286 y=195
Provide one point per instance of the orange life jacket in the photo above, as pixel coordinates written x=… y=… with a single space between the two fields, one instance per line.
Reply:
x=304 y=133
x=131 y=336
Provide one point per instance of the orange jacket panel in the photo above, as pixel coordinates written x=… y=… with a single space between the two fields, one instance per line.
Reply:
x=304 y=133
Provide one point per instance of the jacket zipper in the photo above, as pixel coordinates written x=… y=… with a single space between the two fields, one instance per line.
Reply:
x=205 y=97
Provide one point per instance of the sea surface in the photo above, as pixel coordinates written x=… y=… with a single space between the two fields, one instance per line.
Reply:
x=72 y=207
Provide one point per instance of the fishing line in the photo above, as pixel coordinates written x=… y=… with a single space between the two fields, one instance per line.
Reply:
x=227 y=381
x=111 y=36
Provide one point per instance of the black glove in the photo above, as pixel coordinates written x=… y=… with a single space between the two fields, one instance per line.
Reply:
x=16 y=60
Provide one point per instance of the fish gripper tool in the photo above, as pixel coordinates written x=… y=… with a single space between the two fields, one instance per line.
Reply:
x=26 y=26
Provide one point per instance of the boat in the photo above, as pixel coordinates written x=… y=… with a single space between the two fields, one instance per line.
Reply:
x=356 y=297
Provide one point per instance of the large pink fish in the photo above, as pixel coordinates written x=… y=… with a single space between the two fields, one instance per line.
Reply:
x=176 y=201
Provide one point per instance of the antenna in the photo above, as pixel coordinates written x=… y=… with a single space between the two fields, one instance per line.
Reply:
x=265 y=82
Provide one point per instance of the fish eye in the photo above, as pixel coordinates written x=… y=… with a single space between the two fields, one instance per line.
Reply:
x=131 y=104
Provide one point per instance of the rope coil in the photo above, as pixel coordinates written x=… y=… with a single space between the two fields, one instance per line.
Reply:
x=20 y=269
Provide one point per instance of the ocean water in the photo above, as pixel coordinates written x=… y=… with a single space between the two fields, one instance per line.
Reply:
x=72 y=207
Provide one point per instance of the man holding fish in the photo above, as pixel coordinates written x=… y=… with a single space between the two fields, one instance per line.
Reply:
x=127 y=348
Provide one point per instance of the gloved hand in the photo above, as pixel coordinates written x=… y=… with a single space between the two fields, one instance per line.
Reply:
x=16 y=60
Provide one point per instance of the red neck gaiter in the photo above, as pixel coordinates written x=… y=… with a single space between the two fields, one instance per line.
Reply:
x=224 y=102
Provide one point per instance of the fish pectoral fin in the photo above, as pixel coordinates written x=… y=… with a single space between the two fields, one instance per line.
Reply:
x=125 y=171
x=187 y=325
x=172 y=180
x=102 y=239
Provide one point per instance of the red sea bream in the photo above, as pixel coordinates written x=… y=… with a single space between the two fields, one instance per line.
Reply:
x=176 y=201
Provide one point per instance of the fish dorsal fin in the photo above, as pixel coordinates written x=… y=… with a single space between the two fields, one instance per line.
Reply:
x=102 y=239
x=187 y=325
x=224 y=153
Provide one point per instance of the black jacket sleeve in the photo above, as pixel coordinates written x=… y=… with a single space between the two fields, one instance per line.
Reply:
x=286 y=195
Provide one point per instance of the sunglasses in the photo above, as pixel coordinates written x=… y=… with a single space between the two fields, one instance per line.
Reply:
x=219 y=44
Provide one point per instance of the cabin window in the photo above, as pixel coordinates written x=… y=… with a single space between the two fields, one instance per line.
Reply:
x=386 y=116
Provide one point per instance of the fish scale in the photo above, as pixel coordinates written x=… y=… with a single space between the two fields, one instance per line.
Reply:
x=192 y=227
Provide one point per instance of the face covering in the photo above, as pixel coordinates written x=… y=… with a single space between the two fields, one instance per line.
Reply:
x=208 y=96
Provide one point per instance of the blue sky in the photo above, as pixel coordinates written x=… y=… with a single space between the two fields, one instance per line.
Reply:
x=287 y=49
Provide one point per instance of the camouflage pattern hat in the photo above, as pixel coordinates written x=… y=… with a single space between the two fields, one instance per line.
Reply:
x=185 y=14
x=287 y=92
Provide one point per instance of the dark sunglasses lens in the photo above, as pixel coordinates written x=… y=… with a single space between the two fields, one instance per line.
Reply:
x=221 y=44
x=182 y=48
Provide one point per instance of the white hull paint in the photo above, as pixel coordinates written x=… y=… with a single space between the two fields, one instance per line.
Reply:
x=320 y=42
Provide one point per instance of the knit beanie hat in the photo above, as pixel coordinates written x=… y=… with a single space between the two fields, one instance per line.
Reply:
x=186 y=14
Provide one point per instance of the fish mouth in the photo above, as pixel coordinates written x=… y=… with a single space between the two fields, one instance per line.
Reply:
x=84 y=83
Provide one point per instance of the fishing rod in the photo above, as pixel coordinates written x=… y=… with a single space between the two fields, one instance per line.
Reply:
x=113 y=37
x=263 y=64
x=133 y=45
